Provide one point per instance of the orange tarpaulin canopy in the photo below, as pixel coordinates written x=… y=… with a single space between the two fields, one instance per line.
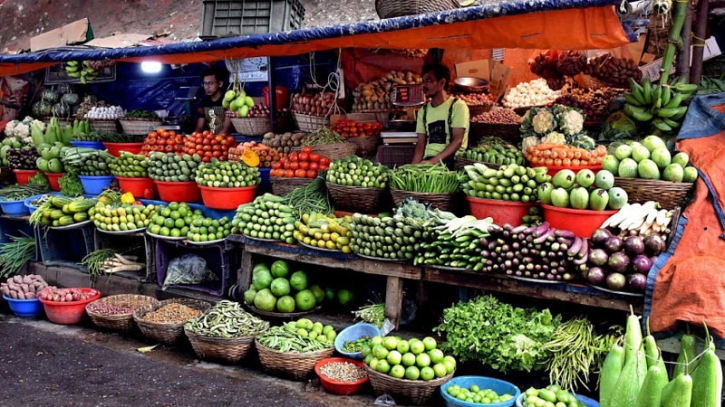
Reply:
x=577 y=28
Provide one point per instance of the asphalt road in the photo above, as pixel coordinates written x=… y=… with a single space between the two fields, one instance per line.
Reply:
x=43 y=364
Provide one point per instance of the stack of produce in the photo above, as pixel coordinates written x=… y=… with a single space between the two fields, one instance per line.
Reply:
x=83 y=70
x=554 y=65
x=454 y=242
x=641 y=220
x=358 y=172
x=534 y=217
x=206 y=229
x=50 y=160
x=425 y=178
x=276 y=289
x=79 y=130
x=88 y=103
x=394 y=237
x=208 y=146
x=174 y=220
x=218 y=174
x=70 y=185
x=16 y=254
x=323 y=136
x=24 y=158
x=412 y=359
x=56 y=294
x=267 y=217
x=475 y=99
x=493 y=150
x=538 y=252
x=129 y=165
x=20 y=192
x=556 y=154
x=326 y=232
x=613 y=70
x=142 y=114
x=474 y=394
x=352 y=128
x=319 y=104
x=170 y=167
x=18 y=137
x=375 y=95
x=635 y=374
x=283 y=143
x=237 y=102
x=267 y=155
x=660 y=106
x=527 y=94
x=23 y=287
x=593 y=102
x=105 y=113
x=226 y=319
x=312 y=198
x=172 y=313
x=497 y=116
x=96 y=164
x=649 y=159
x=300 y=165
x=299 y=336
x=62 y=211
x=121 y=218
x=583 y=190
x=552 y=393
x=509 y=182
x=162 y=141
x=557 y=124
x=622 y=264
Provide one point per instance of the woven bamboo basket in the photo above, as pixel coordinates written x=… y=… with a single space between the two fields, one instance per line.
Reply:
x=282 y=186
x=417 y=392
x=335 y=151
x=120 y=322
x=594 y=83
x=296 y=366
x=139 y=127
x=509 y=132
x=461 y=162
x=356 y=199
x=668 y=194
x=107 y=126
x=251 y=126
x=230 y=350
x=309 y=123
x=475 y=110
x=443 y=202
x=398 y=8
x=166 y=333
x=367 y=146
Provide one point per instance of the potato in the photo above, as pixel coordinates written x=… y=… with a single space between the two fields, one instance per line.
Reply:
x=5 y=290
x=29 y=296
x=28 y=279
x=21 y=296
x=14 y=294
x=71 y=297
x=18 y=279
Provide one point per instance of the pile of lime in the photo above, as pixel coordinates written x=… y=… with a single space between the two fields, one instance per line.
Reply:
x=174 y=220
x=411 y=359
x=209 y=229
x=475 y=394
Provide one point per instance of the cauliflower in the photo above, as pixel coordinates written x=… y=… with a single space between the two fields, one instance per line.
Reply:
x=554 y=137
x=570 y=120
x=10 y=127
x=531 y=141
x=543 y=122
x=22 y=130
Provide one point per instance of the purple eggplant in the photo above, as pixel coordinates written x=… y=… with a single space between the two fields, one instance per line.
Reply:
x=654 y=245
x=633 y=245
x=596 y=276
x=613 y=244
x=600 y=236
x=618 y=262
x=641 y=264
x=598 y=257
x=637 y=282
x=616 y=281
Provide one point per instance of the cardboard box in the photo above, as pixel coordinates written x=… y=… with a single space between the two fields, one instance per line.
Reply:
x=496 y=73
x=653 y=69
x=76 y=32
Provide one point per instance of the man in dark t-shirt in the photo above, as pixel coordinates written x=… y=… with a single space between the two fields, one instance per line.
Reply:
x=210 y=109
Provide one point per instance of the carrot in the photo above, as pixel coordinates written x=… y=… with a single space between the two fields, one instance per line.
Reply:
x=584 y=162
x=575 y=162
x=549 y=161
x=557 y=162
x=566 y=162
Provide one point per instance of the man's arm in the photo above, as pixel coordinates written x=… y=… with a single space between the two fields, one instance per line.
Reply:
x=200 y=124
x=227 y=125
x=450 y=150
x=419 y=149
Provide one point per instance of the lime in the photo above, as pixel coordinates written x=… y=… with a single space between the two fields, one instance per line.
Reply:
x=154 y=229
x=215 y=223
x=185 y=230
x=183 y=211
x=198 y=222
x=164 y=231
x=159 y=220
x=175 y=215
x=169 y=223
x=197 y=212
x=179 y=223
x=208 y=222
x=175 y=232
x=173 y=206
x=165 y=212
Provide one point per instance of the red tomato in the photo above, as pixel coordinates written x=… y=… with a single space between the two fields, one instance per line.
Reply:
x=314 y=157
x=286 y=165
x=216 y=154
x=304 y=157
x=311 y=174
x=324 y=167
x=294 y=165
x=324 y=161
x=306 y=149
x=276 y=165
x=206 y=148
x=294 y=157
x=314 y=166
x=304 y=165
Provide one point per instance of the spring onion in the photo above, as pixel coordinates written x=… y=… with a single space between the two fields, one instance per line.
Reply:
x=14 y=255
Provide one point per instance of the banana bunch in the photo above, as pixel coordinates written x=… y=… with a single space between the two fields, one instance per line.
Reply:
x=81 y=70
x=657 y=104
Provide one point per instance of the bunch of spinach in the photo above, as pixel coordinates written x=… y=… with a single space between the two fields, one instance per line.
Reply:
x=497 y=334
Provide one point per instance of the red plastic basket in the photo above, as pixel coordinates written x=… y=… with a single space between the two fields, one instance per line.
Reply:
x=502 y=212
x=178 y=191
x=583 y=222
x=68 y=313
x=116 y=148
x=24 y=175
x=138 y=187
x=53 y=178
x=226 y=198
x=336 y=386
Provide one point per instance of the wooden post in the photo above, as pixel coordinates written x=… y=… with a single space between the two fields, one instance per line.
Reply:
x=683 y=57
x=394 y=300
x=244 y=278
x=699 y=41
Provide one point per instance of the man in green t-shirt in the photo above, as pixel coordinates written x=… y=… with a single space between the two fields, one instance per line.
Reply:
x=443 y=123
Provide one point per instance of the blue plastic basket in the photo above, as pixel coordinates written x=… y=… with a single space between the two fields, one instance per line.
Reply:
x=499 y=386
x=589 y=402
x=14 y=208
x=353 y=333
x=98 y=145
x=25 y=308
x=94 y=184
x=265 y=185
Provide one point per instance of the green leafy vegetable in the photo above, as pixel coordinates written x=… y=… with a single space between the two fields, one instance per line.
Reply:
x=15 y=254
x=40 y=180
x=70 y=185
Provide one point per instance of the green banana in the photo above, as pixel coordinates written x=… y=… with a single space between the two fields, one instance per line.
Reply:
x=74 y=74
x=71 y=69
x=675 y=101
x=631 y=110
x=671 y=123
x=641 y=116
x=666 y=94
x=667 y=112
x=647 y=91
x=661 y=125
x=686 y=88
x=657 y=96
x=637 y=91
x=681 y=112
x=632 y=100
x=72 y=63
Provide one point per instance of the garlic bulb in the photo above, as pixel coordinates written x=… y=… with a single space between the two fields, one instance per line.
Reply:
x=105 y=113
x=534 y=93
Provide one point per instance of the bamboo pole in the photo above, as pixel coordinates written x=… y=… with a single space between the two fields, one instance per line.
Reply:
x=674 y=40
x=699 y=41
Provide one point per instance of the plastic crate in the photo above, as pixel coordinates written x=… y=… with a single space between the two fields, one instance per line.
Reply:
x=65 y=247
x=218 y=260
x=17 y=227
x=392 y=155
x=146 y=251
x=221 y=18
x=240 y=138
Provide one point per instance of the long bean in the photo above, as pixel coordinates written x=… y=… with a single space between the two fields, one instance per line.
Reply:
x=21 y=192
x=425 y=178
x=323 y=136
x=226 y=319
x=312 y=198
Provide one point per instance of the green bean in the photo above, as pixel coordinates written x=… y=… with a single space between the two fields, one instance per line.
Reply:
x=323 y=136
x=227 y=319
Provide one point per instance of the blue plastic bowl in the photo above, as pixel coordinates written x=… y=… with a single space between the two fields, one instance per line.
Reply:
x=94 y=184
x=98 y=145
x=14 y=208
x=25 y=308
x=499 y=386
x=32 y=208
x=589 y=402
x=353 y=333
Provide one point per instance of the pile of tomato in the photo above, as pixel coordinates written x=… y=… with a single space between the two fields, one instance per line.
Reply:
x=209 y=146
x=351 y=128
x=163 y=141
x=304 y=164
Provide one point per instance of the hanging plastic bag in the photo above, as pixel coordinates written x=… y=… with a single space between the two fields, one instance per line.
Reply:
x=188 y=269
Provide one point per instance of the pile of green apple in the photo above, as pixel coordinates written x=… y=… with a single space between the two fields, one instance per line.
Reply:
x=650 y=159
x=583 y=190
x=412 y=359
